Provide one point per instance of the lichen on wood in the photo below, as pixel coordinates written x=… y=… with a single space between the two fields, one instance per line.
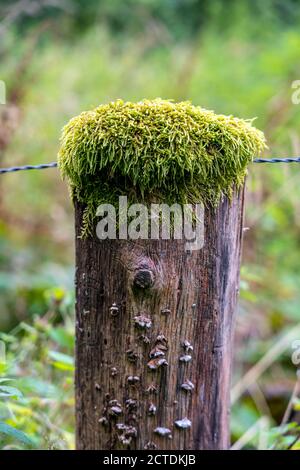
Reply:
x=153 y=151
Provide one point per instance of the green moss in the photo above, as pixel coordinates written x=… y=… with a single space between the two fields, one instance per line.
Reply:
x=155 y=151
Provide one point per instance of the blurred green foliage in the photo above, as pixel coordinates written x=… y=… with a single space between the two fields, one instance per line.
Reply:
x=233 y=57
x=37 y=410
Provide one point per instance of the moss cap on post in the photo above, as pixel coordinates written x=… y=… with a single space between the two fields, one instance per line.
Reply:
x=155 y=151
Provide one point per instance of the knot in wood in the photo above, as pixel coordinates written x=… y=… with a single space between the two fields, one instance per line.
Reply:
x=144 y=278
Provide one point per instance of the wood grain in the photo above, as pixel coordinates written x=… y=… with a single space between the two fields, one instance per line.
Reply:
x=154 y=328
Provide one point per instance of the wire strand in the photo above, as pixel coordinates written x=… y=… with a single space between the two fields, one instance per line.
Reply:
x=45 y=166
x=277 y=160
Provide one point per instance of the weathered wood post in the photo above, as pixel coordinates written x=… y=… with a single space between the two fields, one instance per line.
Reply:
x=154 y=322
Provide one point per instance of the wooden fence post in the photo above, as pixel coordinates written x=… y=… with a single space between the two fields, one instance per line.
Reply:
x=154 y=322
x=145 y=303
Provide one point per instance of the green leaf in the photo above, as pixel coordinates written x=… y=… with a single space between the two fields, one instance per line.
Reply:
x=6 y=391
x=42 y=388
x=62 y=337
x=61 y=361
x=5 y=379
x=15 y=433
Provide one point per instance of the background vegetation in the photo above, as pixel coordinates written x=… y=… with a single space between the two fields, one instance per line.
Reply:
x=59 y=58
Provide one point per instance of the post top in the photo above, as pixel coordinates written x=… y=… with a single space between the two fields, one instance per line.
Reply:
x=155 y=151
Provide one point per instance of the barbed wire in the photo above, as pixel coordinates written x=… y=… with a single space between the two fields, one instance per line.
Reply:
x=45 y=166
